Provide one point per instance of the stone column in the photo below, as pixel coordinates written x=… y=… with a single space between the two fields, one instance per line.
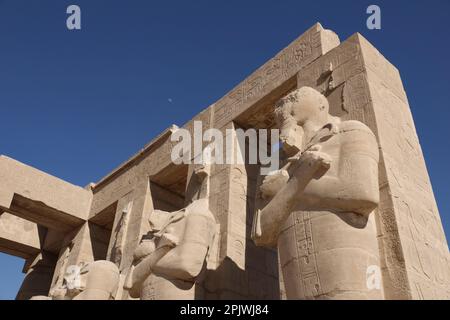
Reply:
x=38 y=277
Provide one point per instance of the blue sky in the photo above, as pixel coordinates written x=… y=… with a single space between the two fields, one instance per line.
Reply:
x=78 y=103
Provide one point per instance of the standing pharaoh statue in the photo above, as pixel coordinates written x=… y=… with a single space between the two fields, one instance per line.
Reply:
x=173 y=253
x=317 y=208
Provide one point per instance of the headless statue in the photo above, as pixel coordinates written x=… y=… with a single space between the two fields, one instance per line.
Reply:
x=317 y=208
x=172 y=254
x=97 y=280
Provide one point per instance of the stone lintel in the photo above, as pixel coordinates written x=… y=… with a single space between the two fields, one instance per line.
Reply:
x=20 y=237
x=39 y=197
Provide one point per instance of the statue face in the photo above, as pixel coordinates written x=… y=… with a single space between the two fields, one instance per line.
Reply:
x=75 y=279
x=296 y=109
x=158 y=219
x=72 y=277
x=291 y=133
x=291 y=136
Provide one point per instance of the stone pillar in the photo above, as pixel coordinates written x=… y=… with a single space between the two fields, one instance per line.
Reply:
x=130 y=225
x=85 y=244
x=244 y=270
x=409 y=216
x=38 y=277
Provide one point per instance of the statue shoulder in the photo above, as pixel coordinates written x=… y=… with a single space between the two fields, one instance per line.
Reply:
x=200 y=208
x=356 y=126
x=358 y=139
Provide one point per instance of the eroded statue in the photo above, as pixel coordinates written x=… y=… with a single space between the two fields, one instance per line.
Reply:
x=172 y=254
x=317 y=207
x=97 y=280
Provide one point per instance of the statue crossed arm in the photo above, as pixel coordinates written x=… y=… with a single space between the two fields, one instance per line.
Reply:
x=178 y=250
x=268 y=221
x=353 y=186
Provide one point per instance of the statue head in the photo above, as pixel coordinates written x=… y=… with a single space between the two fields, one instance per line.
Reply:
x=158 y=219
x=74 y=282
x=299 y=111
x=99 y=280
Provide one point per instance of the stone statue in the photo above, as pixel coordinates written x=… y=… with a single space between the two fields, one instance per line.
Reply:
x=172 y=254
x=317 y=208
x=97 y=280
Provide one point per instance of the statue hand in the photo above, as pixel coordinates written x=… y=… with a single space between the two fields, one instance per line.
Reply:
x=145 y=248
x=319 y=161
x=58 y=293
x=273 y=183
x=168 y=239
